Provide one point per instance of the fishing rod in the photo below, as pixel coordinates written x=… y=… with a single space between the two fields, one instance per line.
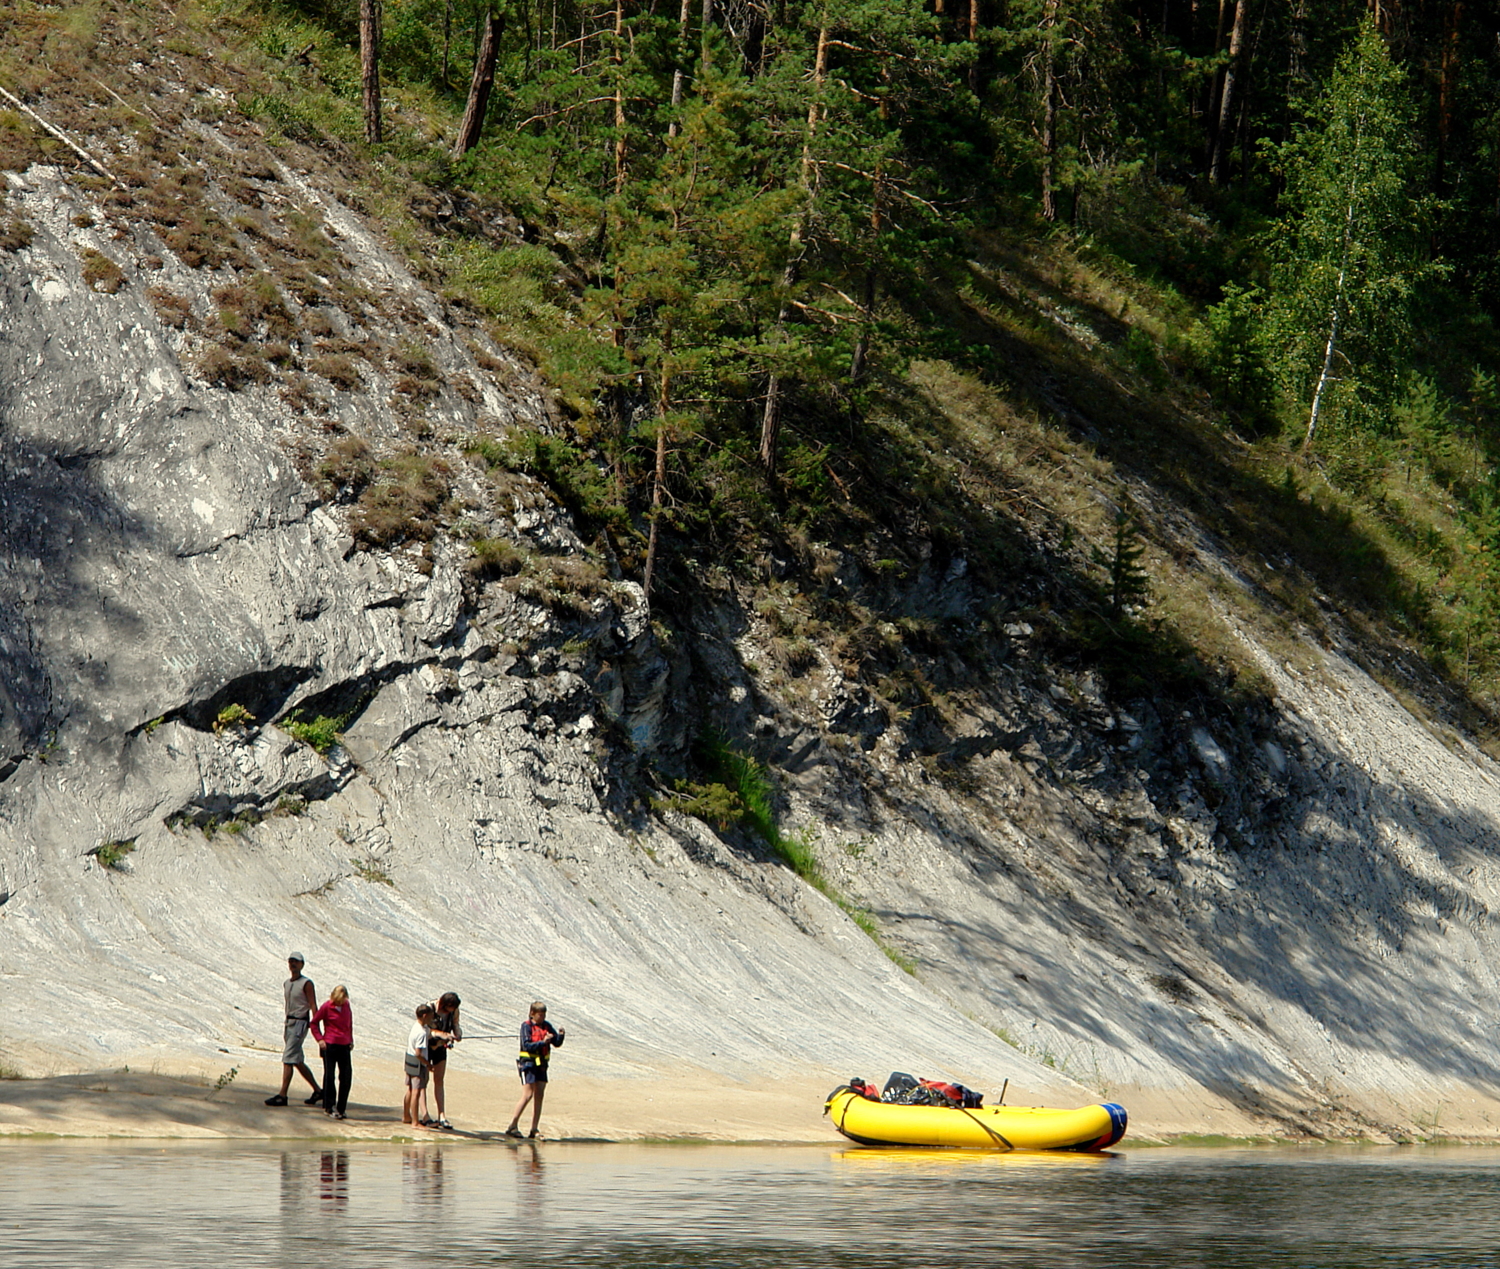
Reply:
x=505 y=1035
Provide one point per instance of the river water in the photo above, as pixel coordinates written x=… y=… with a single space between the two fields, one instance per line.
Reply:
x=365 y=1205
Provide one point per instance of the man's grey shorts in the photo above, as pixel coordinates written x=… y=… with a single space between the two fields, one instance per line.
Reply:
x=296 y=1032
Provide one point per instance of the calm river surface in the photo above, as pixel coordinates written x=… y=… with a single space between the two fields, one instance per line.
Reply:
x=363 y=1205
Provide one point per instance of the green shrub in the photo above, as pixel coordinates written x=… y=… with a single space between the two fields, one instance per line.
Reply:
x=747 y=784
x=112 y=854
x=366 y=870
x=322 y=732
x=740 y=792
x=582 y=485
x=233 y=716
x=492 y=452
x=496 y=557
x=714 y=804
x=1226 y=345
x=1138 y=350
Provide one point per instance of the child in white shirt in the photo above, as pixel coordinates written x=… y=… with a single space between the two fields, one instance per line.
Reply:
x=417 y=1065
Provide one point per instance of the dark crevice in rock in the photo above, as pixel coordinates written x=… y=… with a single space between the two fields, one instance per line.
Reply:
x=415 y=728
x=70 y=462
x=347 y=699
x=264 y=693
x=212 y=812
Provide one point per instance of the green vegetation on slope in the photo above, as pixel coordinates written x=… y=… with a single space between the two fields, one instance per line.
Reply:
x=845 y=295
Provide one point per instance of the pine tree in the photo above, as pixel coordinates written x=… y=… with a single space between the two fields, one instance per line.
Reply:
x=1129 y=583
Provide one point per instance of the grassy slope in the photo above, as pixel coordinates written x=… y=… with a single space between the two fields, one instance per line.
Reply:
x=1076 y=400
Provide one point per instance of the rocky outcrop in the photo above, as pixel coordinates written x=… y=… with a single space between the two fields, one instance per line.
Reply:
x=175 y=589
x=229 y=724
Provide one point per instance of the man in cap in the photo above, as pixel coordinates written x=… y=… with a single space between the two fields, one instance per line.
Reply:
x=301 y=1001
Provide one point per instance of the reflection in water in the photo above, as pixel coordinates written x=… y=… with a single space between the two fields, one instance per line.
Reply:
x=422 y=1175
x=892 y=1159
x=333 y=1180
x=530 y=1190
x=560 y=1206
x=296 y=1183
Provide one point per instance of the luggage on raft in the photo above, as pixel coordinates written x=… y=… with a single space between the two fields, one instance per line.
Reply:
x=862 y=1115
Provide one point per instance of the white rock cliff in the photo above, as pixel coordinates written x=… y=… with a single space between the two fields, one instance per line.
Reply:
x=1300 y=938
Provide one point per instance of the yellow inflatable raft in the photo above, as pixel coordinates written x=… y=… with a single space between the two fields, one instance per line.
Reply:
x=873 y=1123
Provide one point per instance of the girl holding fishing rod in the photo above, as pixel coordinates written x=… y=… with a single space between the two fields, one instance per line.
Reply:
x=445 y=1033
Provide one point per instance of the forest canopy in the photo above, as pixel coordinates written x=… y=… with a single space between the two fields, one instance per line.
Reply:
x=734 y=225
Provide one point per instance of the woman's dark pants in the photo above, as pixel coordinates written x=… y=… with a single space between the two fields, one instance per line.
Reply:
x=336 y=1058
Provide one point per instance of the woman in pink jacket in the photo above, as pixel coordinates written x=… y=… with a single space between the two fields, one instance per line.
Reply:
x=333 y=1029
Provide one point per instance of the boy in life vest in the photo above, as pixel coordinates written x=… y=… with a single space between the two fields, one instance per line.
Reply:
x=538 y=1036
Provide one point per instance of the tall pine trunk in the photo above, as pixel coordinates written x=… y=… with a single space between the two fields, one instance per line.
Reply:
x=974 y=39
x=679 y=74
x=1215 y=88
x=862 y=344
x=659 y=481
x=1224 y=132
x=1049 y=113
x=770 y=423
x=618 y=61
x=480 y=86
x=369 y=67
x=1447 y=88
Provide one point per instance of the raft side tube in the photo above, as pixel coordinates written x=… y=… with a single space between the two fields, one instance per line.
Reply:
x=1084 y=1129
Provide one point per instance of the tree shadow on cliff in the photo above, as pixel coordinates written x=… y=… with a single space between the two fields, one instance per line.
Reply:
x=1328 y=932
x=57 y=527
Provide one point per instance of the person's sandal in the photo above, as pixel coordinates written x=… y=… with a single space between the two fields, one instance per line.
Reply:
x=277 y=1100
x=316 y=1098
x=443 y=1123
x=533 y=1135
x=513 y=1132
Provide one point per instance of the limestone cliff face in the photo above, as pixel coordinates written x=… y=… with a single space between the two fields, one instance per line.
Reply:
x=172 y=586
x=1237 y=925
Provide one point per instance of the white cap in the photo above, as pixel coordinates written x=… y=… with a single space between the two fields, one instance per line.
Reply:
x=297 y=956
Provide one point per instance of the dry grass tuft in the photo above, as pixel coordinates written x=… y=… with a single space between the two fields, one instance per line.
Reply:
x=101 y=273
x=402 y=503
x=174 y=310
x=15 y=233
x=222 y=368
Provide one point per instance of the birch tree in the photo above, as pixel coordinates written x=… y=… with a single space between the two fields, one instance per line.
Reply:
x=1349 y=252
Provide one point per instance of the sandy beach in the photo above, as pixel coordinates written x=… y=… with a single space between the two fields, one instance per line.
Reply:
x=695 y=1106
x=132 y=1103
